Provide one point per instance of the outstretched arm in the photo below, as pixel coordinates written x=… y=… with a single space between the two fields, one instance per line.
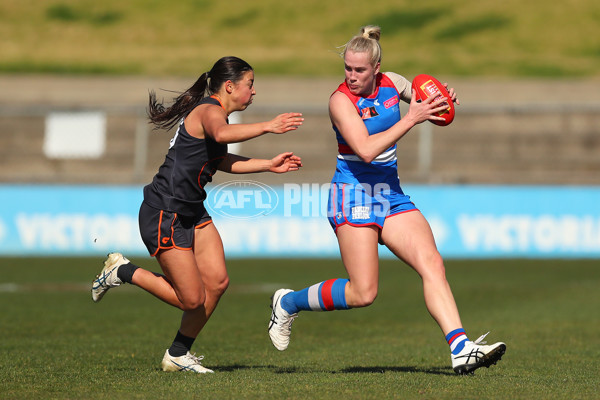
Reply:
x=284 y=162
x=215 y=126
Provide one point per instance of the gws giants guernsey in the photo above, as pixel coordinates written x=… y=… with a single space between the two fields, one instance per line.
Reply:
x=189 y=166
x=379 y=112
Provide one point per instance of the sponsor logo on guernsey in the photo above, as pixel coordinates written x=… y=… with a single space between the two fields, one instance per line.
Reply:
x=368 y=112
x=391 y=102
x=361 y=212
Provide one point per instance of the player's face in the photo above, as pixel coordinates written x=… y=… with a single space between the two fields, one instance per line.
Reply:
x=360 y=74
x=243 y=90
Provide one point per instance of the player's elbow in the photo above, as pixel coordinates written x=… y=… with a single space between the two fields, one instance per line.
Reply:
x=366 y=156
x=224 y=135
x=220 y=137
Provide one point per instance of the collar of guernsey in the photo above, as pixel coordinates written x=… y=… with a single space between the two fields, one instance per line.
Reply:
x=214 y=97
x=216 y=102
x=379 y=112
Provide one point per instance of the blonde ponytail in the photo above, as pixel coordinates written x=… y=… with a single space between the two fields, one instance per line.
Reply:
x=366 y=42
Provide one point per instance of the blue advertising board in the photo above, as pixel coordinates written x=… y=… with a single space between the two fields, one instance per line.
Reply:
x=256 y=220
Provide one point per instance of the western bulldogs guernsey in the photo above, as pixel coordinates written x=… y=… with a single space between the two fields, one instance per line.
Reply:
x=379 y=112
x=189 y=165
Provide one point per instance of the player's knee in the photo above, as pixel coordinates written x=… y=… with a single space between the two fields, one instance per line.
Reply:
x=193 y=302
x=364 y=298
x=434 y=267
x=219 y=287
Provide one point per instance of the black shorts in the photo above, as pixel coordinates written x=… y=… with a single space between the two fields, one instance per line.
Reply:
x=161 y=230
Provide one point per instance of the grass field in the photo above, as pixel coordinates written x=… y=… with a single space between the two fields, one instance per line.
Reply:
x=511 y=38
x=56 y=343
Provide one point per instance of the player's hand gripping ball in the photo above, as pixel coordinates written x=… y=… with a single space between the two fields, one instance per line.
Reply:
x=426 y=86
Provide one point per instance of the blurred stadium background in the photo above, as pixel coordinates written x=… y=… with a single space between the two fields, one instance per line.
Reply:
x=75 y=78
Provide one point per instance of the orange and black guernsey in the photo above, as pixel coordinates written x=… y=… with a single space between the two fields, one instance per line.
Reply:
x=189 y=165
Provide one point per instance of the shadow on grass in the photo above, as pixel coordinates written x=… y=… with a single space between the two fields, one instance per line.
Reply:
x=410 y=369
x=349 y=370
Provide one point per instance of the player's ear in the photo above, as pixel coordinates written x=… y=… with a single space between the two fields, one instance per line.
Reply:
x=377 y=68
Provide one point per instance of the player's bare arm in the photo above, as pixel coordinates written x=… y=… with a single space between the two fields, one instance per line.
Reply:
x=284 y=162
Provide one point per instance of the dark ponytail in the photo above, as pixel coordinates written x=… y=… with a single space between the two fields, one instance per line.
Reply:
x=225 y=69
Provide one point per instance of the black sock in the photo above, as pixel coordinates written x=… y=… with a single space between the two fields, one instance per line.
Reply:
x=181 y=345
x=125 y=272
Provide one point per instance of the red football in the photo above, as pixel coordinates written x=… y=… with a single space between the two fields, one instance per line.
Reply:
x=426 y=86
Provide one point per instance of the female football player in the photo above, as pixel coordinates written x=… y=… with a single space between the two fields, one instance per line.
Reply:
x=174 y=224
x=367 y=205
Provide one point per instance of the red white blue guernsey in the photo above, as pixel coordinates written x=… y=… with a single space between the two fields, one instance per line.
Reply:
x=366 y=193
x=379 y=112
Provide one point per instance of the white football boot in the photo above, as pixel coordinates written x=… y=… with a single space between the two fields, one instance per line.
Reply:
x=280 y=325
x=107 y=278
x=187 y=363
x=475 y=355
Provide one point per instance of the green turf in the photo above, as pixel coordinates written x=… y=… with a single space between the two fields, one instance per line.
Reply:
x=56 y=343
x=509 y=38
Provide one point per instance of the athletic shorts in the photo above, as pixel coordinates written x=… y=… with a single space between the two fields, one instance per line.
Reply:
x=162 y=230
x=363 y=205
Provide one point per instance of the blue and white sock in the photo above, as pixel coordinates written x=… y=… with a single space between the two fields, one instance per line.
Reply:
x=457 y=340
x=324 y=296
